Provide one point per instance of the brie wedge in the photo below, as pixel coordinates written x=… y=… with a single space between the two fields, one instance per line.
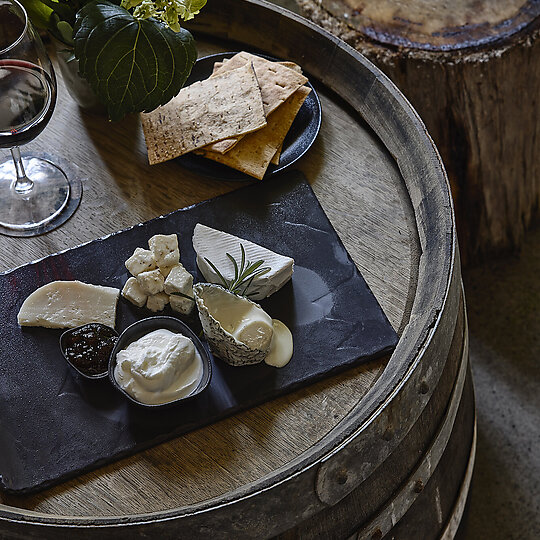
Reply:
x=214 y=245
x=68 y=304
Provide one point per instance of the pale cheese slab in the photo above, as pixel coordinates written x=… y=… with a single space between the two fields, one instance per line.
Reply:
x=68 y=304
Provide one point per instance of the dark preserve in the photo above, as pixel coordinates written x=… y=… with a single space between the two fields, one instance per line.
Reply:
x=88 y=347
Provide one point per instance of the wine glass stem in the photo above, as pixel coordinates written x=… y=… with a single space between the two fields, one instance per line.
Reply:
x=23 y=184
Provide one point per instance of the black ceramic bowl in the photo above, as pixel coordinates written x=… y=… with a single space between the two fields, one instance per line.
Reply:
x=145 y=326
x=64 y=342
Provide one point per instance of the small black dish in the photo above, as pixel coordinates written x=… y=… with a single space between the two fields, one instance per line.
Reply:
x=145 y=326
x=91 y=328
x=301 y=135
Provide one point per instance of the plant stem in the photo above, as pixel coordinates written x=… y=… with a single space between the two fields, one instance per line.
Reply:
x=23 y=184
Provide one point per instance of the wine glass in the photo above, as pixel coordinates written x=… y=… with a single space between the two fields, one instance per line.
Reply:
x=34 y=194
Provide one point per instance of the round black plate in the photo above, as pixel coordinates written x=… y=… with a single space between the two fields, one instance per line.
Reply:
x=300 y=137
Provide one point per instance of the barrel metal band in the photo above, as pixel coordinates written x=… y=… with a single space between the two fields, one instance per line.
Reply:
x=388 y=516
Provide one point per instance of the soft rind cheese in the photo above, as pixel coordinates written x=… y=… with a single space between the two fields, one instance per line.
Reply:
x=214 y=245
x=238 y=330
x=68 y=304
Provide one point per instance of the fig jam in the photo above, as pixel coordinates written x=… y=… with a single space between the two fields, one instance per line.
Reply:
x=88 y=347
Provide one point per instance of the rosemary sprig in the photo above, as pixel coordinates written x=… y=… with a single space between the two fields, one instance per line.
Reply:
x=244 y=273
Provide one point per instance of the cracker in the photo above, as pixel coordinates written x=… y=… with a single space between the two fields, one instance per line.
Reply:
x=224 y=106
x=277 y=83
x=291 y=65
x=277 y=155
x=253 y=153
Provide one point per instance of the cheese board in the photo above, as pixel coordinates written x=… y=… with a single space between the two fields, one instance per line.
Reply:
x=57 y=424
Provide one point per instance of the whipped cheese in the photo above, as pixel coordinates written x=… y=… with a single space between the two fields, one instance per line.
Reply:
x=160 y=367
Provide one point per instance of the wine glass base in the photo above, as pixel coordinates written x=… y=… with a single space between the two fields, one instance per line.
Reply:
x=51 y=201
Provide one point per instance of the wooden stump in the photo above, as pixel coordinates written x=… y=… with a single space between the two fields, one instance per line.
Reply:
x=471 y=68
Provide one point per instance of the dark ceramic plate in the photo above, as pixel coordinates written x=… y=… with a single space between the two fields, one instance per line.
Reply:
x=57 y=424
x=64 y=337
x=300 y=137
x=140 y=329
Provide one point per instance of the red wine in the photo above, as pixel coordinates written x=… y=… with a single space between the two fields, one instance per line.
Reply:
x=28 y=99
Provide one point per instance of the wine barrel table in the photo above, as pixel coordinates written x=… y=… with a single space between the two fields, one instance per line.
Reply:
x=385 y=449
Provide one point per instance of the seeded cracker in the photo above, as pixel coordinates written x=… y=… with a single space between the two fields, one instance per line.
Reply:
x=225 y=106
x=253 y=153
x=277 y=155
x=277 y=81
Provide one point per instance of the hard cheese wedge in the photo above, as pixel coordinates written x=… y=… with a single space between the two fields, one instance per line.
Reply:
x=68 y=304
x=214 y=245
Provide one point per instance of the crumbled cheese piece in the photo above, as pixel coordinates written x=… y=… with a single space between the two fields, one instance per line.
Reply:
x=179 y=280
x=142 y=260
x=166 y=270
x=151 y=282
x=165 y=250
x=132 y=291
x=181 y=304
x=157 y=302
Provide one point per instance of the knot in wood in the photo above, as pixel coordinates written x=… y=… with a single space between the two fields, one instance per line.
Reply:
x=342 y=476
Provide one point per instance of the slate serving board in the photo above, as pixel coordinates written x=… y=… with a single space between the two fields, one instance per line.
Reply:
x=54 y=424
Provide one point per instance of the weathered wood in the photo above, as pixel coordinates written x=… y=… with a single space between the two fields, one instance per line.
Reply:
x=264 y=471
x=472 y=70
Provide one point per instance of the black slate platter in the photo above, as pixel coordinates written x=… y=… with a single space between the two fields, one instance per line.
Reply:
x=54 y=424
x=301 y=135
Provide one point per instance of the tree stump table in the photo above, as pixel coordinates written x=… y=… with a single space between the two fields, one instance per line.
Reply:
x=471 y=68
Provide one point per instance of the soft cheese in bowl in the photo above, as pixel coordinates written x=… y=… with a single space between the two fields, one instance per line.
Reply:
x=159 y=361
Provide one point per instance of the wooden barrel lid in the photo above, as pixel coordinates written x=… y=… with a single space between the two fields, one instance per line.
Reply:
x=435 y=25
x=380 y=181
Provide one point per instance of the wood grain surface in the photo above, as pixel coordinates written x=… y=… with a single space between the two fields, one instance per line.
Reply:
x=434 y=24
x=362 y=192
x=471 y=69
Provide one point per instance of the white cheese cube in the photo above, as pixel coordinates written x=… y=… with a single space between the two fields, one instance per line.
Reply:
x=166 y=270
x=151 y=282
x=165 y=250
x=142 y=260
x=179 y=280
x=157 y=302
x=181 y=304
x=132 y=291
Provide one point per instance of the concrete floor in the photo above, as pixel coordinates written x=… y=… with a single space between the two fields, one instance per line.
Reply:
x=503 y=303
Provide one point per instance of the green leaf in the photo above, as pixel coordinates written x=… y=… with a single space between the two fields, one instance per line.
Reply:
x=189 y=8
x=66 y=31
x=38 y=12
x=132 y=65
